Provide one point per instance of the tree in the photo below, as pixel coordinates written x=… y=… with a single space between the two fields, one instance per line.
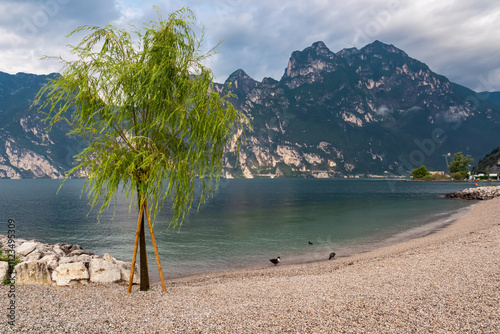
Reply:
x=419 y=172
x=152 y=121
x=460 y=164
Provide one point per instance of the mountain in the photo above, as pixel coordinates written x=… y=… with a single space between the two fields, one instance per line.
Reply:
x=490 y=163
x=356 y=112
x=494 y=96
x=26 y=149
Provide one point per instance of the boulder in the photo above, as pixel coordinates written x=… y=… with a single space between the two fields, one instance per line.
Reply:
x=58 y=251
x=32 y=272
x=75 y=247
x=78 y=258
x=125 y=272
x=109 y=258
x=33 y=256
x=51 y=260
x=76 y=252
x=102 y=271
x=71 y=273
x=4 y=271
x=25 y=248
x=4 y=241
x=66 y=248
x=84 y=258
x=45 y=249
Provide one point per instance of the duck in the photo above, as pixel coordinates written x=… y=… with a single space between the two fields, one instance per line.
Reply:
x=310 y=243
x=275 y=261
x=332 y=255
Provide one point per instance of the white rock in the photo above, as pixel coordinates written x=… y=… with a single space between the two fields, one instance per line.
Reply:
x=25 y=248
x=78 y=258
x=51 y=260
x=44 y=248
x=4 y=270
x=109 y=258
x=59 y=251
x=83 y=258
x=125 y=272
x=32 y=272
x=71 y=273
x=64 y=260
x=17 y=241
x=33 y=256
x=76 y=252
x=102 y=271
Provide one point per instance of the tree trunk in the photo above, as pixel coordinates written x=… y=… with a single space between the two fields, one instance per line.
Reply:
x=143 y=260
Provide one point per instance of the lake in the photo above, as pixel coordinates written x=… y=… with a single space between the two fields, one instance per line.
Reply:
x=246 y=222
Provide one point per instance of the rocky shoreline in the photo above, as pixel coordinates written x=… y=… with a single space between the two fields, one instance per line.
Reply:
x=33 y=262
x=477 y=193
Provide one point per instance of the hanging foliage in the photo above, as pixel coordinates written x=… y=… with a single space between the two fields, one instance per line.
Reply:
x=144 y=103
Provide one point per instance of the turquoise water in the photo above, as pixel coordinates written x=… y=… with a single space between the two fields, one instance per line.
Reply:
x=244 y=224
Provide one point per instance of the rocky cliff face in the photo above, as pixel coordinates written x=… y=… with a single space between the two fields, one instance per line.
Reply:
x=357 y=112
x=372 y=111
x=490 y=163
x=26 y=149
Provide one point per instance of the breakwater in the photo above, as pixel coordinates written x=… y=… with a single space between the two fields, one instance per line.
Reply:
x=477 y=193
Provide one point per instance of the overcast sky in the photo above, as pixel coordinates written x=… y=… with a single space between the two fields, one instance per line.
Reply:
x=456 y=38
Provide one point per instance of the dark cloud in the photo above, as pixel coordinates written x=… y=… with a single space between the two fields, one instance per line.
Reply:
x=456 y=38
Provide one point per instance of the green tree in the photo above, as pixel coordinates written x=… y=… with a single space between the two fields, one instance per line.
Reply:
x=419 y=172
x=460 y=164
x=144 y=104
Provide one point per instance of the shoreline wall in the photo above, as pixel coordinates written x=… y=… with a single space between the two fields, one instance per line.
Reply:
x=477 y=193
x=59 y=264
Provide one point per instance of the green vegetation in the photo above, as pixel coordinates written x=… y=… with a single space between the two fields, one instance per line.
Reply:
x=420 y=172
x=154 y=126
x=12 y=262
x=5 y=258
x=459 y=166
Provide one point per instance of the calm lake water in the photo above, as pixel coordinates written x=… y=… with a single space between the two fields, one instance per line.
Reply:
x=247 y=221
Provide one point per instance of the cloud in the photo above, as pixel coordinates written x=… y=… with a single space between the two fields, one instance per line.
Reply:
x=384 y=111
x=34 y=29
x=413 y=109
x=456 y=38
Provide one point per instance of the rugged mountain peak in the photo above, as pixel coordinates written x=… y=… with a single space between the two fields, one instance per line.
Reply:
x=321 y=49
x=241 y=81
x=307 y=65
x=238 y=74
x=380 y=48
x=347 y=52
x=267 y=81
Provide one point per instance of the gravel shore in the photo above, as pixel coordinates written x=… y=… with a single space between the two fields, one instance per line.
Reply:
x=446 y=282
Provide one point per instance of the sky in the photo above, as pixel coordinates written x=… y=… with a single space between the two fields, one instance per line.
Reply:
x=455 y=38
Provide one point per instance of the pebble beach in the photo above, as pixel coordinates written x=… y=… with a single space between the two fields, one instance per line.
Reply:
x=445 y=282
